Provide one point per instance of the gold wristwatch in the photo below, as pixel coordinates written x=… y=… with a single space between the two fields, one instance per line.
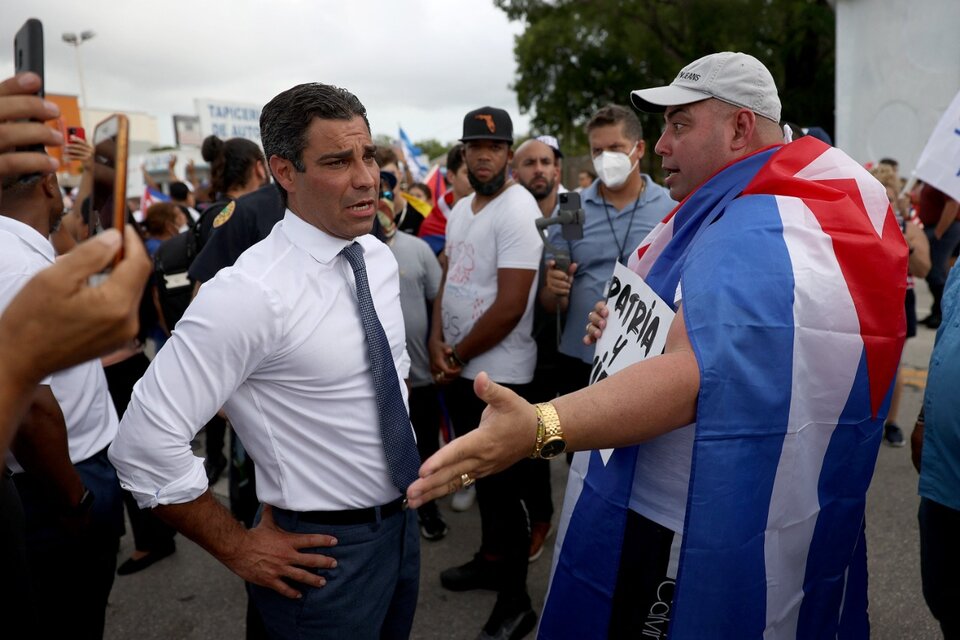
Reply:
x=550 y=442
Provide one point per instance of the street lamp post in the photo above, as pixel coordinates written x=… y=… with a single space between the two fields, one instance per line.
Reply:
x=75 y=41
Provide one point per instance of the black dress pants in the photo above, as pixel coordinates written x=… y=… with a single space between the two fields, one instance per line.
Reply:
x=505 y=531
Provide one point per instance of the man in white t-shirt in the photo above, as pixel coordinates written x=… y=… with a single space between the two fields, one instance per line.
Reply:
x=484 y=323
x=73 y=513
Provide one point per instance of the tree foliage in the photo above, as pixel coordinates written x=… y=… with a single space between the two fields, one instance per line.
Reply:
x=577 y=55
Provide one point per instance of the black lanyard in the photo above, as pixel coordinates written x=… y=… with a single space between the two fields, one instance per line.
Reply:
x=621 y=247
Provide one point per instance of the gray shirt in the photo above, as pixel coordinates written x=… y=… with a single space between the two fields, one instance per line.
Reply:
x=419 y=281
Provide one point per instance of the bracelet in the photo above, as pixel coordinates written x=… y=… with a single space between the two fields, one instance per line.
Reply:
x=541 y=430
x=456 y=357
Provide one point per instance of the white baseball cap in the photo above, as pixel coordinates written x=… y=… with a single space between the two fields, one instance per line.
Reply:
x=736 y=78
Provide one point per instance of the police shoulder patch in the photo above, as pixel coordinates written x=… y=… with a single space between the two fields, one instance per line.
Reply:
x=224 y=214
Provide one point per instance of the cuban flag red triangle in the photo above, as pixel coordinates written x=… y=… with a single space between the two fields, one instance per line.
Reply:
x=869 y=247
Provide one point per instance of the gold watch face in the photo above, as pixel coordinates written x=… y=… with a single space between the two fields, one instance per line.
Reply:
x=552 y=448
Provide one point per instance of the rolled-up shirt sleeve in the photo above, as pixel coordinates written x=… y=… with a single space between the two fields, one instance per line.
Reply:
x=227 y=332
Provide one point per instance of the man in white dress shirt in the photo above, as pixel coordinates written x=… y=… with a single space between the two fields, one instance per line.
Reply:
x=278 y=340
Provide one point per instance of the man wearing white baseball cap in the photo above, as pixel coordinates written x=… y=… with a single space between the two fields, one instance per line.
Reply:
x=720 y=89
x=728 y=500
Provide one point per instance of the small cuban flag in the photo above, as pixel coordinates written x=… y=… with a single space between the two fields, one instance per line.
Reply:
x=150 y=197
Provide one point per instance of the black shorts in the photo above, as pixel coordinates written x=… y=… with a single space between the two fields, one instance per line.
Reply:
x=643 y=598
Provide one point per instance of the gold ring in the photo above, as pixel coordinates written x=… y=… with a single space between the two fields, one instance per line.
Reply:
x=466 y=480
x=438 y=377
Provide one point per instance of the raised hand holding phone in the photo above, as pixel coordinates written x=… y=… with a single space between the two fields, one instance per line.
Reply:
x=110 y=149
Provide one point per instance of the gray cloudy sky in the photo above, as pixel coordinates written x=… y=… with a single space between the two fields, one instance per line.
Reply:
x=419 y=63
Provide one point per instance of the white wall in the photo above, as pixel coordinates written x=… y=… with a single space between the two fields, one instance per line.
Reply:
x=898 y=68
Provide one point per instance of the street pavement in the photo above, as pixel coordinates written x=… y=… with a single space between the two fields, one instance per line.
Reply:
x=191 y=596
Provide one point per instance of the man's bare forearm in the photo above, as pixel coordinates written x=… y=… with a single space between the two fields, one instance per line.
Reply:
x=947 y=217
x=41 y=448
x=502 y=317
x=491 y=328
x=206 y=522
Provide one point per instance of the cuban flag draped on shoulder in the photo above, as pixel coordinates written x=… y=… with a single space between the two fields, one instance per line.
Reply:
x=789 y=269
x=414 y=157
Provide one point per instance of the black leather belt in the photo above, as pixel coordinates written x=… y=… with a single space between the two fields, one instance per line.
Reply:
x=354 y=516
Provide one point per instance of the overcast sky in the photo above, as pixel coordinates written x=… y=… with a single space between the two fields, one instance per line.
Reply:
x=421 y=64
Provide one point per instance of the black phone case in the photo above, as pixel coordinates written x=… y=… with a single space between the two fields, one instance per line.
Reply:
x=28 y=49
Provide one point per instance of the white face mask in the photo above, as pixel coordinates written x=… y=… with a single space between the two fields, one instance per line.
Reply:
x=614 y=168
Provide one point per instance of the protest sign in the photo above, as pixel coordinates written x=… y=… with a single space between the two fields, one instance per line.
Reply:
x=636 y=327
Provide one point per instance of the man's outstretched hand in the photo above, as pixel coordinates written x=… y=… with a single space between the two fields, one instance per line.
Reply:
x=507 y=433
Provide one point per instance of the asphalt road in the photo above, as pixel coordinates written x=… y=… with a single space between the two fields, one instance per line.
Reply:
x=191 y=596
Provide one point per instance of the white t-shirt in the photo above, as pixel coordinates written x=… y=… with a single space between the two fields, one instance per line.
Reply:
x=81 y=391
x=662 y=478
x=503 y=235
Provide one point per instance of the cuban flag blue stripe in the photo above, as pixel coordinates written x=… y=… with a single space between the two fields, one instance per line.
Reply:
x=740 y=271
x=589 y=568
x=847 y=469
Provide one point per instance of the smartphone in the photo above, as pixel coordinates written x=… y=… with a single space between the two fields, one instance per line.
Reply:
x=571 y=215
x=28 y=56
x=28 y=49
x=110 y=151
x=76 y=131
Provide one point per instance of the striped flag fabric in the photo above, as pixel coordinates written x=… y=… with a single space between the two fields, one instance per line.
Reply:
x=437 y=184
x=414 y=157
x=790 y=267
x=152 y=196
x=423 y=207
x=434 y=227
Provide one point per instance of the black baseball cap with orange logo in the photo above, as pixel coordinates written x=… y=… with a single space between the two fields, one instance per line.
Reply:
x=487 y=123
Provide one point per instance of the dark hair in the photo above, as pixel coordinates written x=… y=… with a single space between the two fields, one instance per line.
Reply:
x=230 y=162
x=385 y=156
x=179 y=191
x=426 y=189
x=455 y=158
x=157 y=217
x=890 y=162
x=616 y=114
x=285 y=119
x=589 y=172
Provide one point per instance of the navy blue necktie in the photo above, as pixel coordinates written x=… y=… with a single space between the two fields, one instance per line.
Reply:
x=403 y=461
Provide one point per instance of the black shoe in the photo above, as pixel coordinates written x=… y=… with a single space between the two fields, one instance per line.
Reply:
x=214 y=469
x=893 y=435
x=133 y=566
x=476 y=574
x=932 y=321
x=432 y=526
x=508 y=622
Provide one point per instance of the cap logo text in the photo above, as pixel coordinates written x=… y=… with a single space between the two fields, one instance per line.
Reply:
x=487 y=120
x=686 y=75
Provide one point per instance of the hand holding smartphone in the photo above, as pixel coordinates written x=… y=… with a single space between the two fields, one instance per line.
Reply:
x=110 y=150
x=77 y=148
x=28 y=56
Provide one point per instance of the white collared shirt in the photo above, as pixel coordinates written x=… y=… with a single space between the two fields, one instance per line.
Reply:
x=81 y=391
x=277 y=340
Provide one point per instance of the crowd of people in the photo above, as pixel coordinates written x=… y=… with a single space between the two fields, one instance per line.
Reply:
x=351 y=357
